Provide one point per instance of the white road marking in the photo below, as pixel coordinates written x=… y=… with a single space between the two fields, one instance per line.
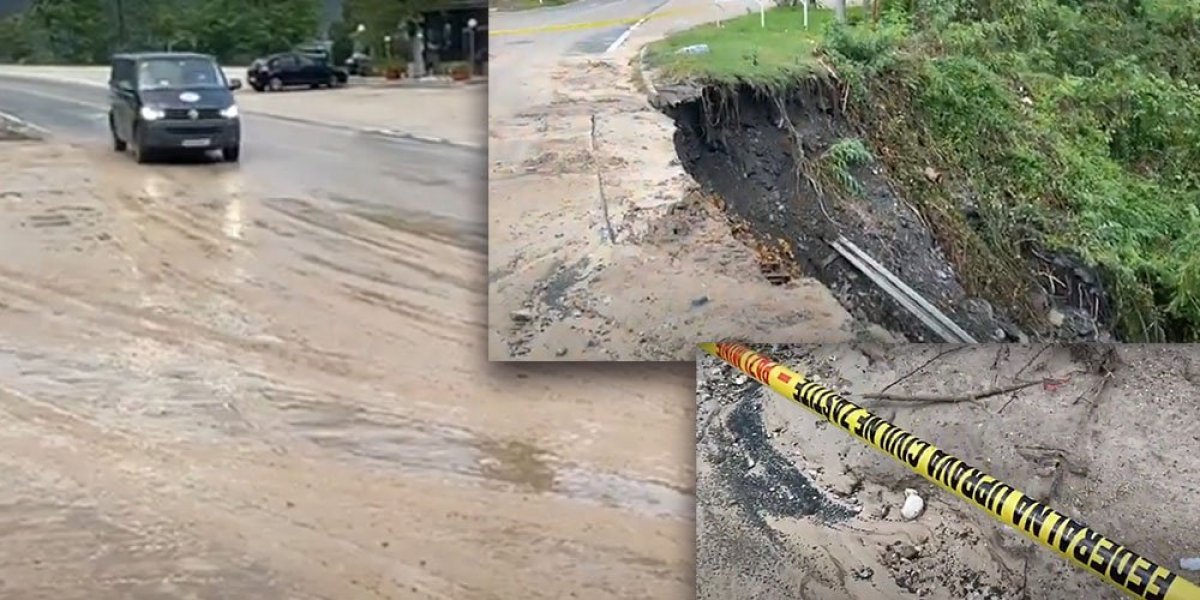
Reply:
x=625 y=35
x=23 y=123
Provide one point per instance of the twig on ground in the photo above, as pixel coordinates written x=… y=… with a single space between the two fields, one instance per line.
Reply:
x=1001 y=352
x=988 y=393
x=919 y=368
x=1031 y=359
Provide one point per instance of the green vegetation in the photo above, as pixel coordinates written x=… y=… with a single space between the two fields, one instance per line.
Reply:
x=1064 y=125
x=741 y=50
x=89 y=31
x=236 y=31
x=841 y=158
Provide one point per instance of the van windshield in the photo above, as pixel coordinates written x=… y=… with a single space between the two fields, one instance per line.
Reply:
x=177 y=73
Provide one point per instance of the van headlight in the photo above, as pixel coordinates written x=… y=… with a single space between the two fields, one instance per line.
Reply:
x=150 y=113
x=230 y=113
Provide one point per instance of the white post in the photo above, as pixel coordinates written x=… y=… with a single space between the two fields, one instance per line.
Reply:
x=762 y=13
x=806 y=14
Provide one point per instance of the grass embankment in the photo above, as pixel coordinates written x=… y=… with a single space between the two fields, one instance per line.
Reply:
x=742 y=50
x=1070 y=126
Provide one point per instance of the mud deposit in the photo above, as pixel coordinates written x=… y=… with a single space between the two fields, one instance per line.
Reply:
x=206 y=391
x=772 y=159
x=788 y=506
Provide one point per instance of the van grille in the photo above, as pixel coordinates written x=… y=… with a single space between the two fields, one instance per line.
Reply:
x=194 y=130
x=182 y=113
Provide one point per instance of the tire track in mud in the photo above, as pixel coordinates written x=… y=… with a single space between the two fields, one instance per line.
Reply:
x=395 y=251
x=54 y=300
x=304 y=213
x=145 y=210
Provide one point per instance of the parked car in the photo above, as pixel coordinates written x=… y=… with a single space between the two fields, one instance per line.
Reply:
x=166 y=101
x=292 y=69
x=360 y=64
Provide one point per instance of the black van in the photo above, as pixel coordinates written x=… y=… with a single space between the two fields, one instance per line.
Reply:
x=170 y=101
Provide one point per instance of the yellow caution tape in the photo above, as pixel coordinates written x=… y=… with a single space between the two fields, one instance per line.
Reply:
x=587 y=24
x=1132 y=573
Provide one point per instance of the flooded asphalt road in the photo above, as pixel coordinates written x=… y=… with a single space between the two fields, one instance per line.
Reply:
x=267 y=380
x=373 y=174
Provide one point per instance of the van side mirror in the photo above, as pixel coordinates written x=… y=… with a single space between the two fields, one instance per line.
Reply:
x=235 y=84
x=124 y=85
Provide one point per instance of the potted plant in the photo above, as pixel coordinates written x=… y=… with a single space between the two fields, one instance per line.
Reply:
x=393 y=69
x=459 y=71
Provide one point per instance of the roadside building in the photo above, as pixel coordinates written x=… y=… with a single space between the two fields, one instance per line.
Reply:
x=455 y=31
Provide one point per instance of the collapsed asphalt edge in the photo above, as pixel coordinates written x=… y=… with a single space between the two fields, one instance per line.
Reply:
x=647 y=80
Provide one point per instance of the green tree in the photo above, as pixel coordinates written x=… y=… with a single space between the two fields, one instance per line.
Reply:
x=87 y=31
x=16 y=40
x=80 y=31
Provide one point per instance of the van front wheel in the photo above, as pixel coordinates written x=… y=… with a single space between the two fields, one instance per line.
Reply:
x=118 y=144
x=140 y=153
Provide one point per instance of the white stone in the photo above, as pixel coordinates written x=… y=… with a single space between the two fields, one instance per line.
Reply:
x=913 y=505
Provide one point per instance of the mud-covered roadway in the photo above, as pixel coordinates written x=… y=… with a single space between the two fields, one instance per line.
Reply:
x=268 y=380
x=602 y=247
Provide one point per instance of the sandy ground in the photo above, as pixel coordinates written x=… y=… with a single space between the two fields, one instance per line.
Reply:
x=453 y=113
x=600 y=245
x=210 y=391
x=791 y=507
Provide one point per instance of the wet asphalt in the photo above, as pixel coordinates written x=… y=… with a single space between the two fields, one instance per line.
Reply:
x=523 y=57
x=440 y=185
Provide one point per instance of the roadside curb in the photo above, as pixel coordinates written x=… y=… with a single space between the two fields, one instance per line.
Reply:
x=424 y=85
x=643 y=71
x=392 y=133
x=23 y=127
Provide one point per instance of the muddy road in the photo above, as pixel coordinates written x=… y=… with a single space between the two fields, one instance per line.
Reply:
x=601 y=247
x=790 y=506
x=268 y=380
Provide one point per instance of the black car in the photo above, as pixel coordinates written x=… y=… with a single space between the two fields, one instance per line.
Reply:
x=359 y=64
x=291 y=69
x=169 y=101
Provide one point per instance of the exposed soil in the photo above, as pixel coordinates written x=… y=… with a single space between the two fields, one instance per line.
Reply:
x=602 y=248
x=789 y=506
x=766 y=156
